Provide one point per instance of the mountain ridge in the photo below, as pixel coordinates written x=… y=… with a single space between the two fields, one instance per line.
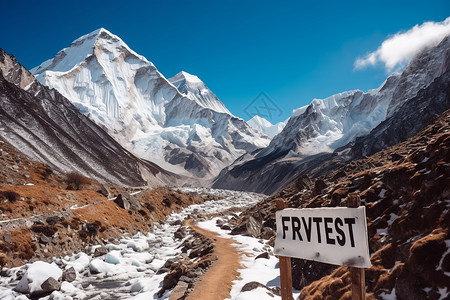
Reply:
x=44 y=125
x=192 y=134
x=313 y=135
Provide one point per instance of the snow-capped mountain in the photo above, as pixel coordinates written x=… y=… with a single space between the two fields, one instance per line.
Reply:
x=45 y=126
x=314 y=132
x=187 y=130
x=193 y=88
x=264 y=126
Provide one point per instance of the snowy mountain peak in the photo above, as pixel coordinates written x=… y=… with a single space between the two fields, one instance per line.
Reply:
x=185 y=76
x=180 y=124
x=100 y=40
x=265 y=127
x=193 y=88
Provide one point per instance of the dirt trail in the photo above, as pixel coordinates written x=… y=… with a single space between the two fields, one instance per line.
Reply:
x=216 y=283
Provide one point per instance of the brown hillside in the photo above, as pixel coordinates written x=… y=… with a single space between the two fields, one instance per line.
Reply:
x=406 y=191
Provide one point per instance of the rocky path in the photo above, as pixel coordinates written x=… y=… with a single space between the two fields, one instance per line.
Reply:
x=137 y=267
x=217 y=281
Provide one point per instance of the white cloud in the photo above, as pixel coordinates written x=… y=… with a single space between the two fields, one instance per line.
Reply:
x=396 y=51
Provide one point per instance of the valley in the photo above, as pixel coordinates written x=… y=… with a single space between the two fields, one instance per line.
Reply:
x=117 y=182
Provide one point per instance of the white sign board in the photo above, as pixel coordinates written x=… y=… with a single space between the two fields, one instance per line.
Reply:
x=334 y=235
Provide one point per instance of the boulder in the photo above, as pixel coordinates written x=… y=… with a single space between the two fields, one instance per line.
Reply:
x=249 y=286
x=122 y=202
x=104 y=191
x=179 y=291
x=267 y=233
x=254 y=226
x=100 y=251
x=69 y=275
x=52 y=220
x=263 y=255
x=225 y=227
x=43 y=239
x=7 y=238
x=50 y=285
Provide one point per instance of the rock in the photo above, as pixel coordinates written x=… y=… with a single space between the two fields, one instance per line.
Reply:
x=179 y=291
x=202 y=250
x=176 y=223
x=319 y=185
x=167 y=202
x=122 y=202
x=100 y=251
x=242 y=229
x=52 y=220
x=180 y=233
x=305 y=272
x=254 y=226
x=225 y=227
x=104 y=191
x=219 y=222
x=128 y=202
x=7 y=238
x=409 y=287
x=69 y=275
x=50 y=285
x=171 y=279
x=267 y=233
x=250 y=286
x=43 y=239
x=263 y=255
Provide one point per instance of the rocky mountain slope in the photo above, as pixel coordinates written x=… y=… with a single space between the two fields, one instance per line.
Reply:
x=405 y=189
x=188 y=131
x=45 y=126
x=316 y=135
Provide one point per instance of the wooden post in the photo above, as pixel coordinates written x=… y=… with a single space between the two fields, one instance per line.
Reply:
x=357 y=275
x=285 y=265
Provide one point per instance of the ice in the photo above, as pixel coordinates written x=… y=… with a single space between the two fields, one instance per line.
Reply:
x=36 y=274
x=113 y=257
x=79 y=262
x=99 y=266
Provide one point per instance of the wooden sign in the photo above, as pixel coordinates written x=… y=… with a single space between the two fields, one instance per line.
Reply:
x=334 y=235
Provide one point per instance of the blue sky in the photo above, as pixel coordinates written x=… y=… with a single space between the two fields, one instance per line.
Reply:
x=293 y=51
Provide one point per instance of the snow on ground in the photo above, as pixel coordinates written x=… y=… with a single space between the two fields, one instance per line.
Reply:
x=129 y=270
x=264 y=271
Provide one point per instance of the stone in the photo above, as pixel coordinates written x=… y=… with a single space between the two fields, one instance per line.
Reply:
x=253 y=226
x=263 y=255
x=69 y=275
x=319 y=185
x=250 y=286
x=7 y=238
x=50 y=285
x=43 y=239
x=104 y=191
x=179 y=291
x=122 y=202
x=225 y=227
x=52 y=220
x=128 y=202
x=100 y=251
x=267 y=233
x=180 y=233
